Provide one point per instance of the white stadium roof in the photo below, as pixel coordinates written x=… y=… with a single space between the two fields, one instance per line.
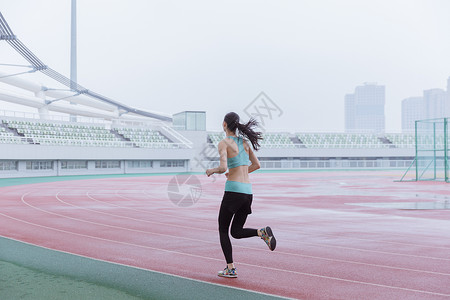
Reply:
x=62 y=92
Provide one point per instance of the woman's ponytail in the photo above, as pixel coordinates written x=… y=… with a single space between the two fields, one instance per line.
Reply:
x=246 y=130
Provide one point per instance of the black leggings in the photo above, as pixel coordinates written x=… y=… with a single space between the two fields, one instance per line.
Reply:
x=239 y=206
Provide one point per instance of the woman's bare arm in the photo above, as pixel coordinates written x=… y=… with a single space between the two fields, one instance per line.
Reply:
x=254 y=160
x=223 y=166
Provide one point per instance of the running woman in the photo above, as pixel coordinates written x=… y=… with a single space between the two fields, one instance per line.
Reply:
x=235 y=153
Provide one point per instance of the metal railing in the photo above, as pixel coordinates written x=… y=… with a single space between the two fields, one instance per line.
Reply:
x=34 y=117
x=334 y=146
x=45 y=141
x=326 y=164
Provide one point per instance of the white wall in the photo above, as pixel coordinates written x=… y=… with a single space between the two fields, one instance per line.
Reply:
x=91 y=170
x=199 y=148
x=29 y=151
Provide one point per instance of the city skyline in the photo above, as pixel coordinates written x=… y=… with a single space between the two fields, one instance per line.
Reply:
x=365 y=111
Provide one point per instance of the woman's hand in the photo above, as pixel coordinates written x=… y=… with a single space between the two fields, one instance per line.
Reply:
x=209 y=172
x=226 y=174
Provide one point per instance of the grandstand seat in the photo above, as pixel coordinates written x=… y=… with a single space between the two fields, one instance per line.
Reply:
x=59 y=133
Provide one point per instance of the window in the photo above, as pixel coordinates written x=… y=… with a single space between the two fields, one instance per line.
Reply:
x=200 y=121
x=74 y=164
x=190 y=120
x=140 y=164
x=179 y=121
x=39 y=165
x=107 y=164
x=171 y=163
x=8 y=165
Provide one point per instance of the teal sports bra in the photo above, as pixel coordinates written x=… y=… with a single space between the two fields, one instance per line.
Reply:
x=242 y=158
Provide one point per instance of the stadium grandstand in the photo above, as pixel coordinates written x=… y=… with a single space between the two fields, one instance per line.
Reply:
x=75 y=131
x=332 y=150
x=32 y=146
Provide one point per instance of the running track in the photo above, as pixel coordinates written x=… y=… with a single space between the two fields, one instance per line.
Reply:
x=333 y=243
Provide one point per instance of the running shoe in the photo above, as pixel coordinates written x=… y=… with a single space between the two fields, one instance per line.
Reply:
x=267 y=236
x=230 y=273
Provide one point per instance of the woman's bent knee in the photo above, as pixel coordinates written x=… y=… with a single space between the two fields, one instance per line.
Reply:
x=237 y=234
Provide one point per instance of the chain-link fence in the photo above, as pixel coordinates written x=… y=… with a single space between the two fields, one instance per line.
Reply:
x=432 y=151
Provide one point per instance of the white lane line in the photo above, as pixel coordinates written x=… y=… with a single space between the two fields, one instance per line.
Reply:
x=119 y=227
x=366 y=232
x=395 y=243
x=88 y=194
x=241 y=263
x=237 y=246
x=194 y=228
x=140 y=220
x=364 y=239
x=332 y=246
x=366 y=250
x=368 y=239
x=285 y=230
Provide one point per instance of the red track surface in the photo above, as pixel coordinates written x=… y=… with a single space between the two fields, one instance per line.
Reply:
x=327 y=249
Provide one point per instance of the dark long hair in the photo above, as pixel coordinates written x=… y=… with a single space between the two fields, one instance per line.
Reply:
x=245 y=129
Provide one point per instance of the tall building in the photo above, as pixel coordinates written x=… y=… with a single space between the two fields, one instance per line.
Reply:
x=412 y=110
x=364 y=109
x=434 y=103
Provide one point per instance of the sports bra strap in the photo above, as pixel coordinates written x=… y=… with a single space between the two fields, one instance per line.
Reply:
x=241 y=158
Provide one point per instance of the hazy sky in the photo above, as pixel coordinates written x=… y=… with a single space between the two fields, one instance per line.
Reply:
x=217 y=56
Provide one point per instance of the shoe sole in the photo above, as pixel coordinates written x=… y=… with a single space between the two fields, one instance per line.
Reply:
x=273 y=241
x=227 y=276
